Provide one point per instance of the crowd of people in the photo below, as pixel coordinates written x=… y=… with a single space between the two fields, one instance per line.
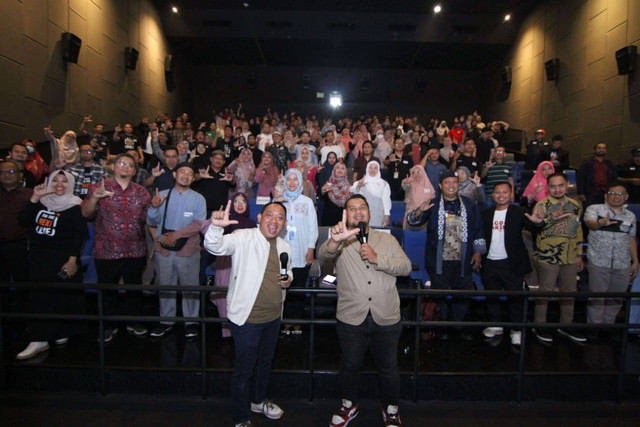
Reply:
x=166 y=198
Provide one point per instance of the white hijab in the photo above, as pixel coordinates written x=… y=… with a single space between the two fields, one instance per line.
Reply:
x=56 y=203
x=375 y=184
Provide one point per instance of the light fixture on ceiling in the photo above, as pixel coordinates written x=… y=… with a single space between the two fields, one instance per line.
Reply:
x=174 y=9
x=335 y=99
x=507 y=17
x=437 y=8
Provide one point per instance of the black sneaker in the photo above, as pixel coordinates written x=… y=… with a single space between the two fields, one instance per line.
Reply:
x=108 y=334
x=137 y=329
x=161 y=330
x=573 y=335
x=543 y=336
x=191 y=331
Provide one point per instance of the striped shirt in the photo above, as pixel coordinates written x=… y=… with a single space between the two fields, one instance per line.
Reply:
x=85 y=177
x=500 y=172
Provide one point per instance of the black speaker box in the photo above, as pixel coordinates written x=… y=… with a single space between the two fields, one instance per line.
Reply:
x=421 y=84
x=70 y=44
x=552 y=69
x=626 y=59
x=251 y=81
x=364 y=82
x=505 y=73
x=169 y=63
x=306 y=81
x=130 y=58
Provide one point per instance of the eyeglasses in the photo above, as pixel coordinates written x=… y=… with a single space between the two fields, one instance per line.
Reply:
x=125 y=164
x=87 y=151
x=9 y=172
x=239 y=202
x=617 y=193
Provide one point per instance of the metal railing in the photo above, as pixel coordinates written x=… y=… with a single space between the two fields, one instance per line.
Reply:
x=418 y=294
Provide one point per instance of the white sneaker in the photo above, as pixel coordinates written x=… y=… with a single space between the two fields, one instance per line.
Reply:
x=32 y=349
x=515 y=337
x=268 y=409
x=492 y=331
x=62 y=341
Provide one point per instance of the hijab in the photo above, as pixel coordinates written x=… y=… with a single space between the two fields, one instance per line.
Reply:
x=293 y=194
x=327 y=169
x=383 y=149
x=467 y=182
x=421 y=189
x=375 y=184
x=203 y=160
x=35 y=163
x=307 y=187
x=538 y=177
x=56 y=203
x=339 y=192
x=244 y=220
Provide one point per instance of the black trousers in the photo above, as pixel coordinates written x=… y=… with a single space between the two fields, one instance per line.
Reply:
x=14 y=266
x=130 y=270
x=456 y=308
x=383 y=342
x=294 y=304
x=497 y=276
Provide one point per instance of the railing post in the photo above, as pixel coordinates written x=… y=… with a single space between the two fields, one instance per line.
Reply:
x=311 y=343
x=416 y=350
x=2 y=368
x=103 y=382
x=623 y=348
x=203 y=343
x=523 y=345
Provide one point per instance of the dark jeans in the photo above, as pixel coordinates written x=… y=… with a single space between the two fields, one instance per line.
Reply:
x=130 y=270
x=255 y=345
x=497 y=276
x=383 y=342
x=456 y=309
x=14 y=266
x=294 y=308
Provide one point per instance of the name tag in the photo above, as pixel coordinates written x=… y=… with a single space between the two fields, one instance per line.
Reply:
x=474 y=164
x=291 y=232
x=406 y=162
x=188 y=214
x=396 y=175
x=632 y=168
x=262 y=200
x=506 y=171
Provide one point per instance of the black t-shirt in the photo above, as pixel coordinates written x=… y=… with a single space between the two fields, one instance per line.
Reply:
x=227 y=147
x=28 y=179
x=125 y=143
x=471 y=163
x=630 y=170
x=214 y=191
x=396 y=172
x=483 y=150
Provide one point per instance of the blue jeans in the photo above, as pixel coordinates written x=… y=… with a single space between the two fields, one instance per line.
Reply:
x=255 y=345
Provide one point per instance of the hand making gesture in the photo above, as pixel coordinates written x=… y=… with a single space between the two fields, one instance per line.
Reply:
x=340 y=232
x=157 y=171
x=100 y=192
x=204 y=173
x=40 y=191
x=537 y=215
x=221 y=218
x=606 y=221
x=157 y=200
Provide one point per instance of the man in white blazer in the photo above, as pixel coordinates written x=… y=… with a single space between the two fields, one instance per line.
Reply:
x=254 y=303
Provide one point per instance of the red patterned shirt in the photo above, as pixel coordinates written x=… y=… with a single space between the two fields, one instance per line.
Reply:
x=120 y=221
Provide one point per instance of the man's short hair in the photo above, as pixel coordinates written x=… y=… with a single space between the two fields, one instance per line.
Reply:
x=503 y=183
x=598 y=143
x=128 y=156
x=264 y=208
x=217 y=153
x=305 y=131
x=469 y=139
x=616 y=183
x=19 y=144
x=171 y=148
x=557 y=138
x=368 y=142
x=15 y=164
x=555 y=174
x=356 y=196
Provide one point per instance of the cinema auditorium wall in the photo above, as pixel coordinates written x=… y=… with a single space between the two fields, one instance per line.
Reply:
x=589 y=102
x=37 y=87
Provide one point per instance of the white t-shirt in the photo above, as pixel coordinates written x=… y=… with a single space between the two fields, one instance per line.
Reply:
x=263 y=139
x=324 y=152
x=497 y=250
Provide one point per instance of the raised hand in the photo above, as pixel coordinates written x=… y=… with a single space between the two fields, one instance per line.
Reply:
x=221 y=218
x=41 y=191
x=118 y=128
x=537 y=215
x=157 y=200
x=202 y=125
x=425 y=206
x=47 y=130
x=227 y=176
x=87 y=119
x=204 y=173
x=340 y=232
x=100 y=192
x=361 y=183
x=476 y=179
x=157 y=171
x=606 y=221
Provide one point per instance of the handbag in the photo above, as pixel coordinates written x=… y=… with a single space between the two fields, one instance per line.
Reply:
x=179 y=243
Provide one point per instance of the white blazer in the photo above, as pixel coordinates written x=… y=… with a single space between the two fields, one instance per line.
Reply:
x=249 y=250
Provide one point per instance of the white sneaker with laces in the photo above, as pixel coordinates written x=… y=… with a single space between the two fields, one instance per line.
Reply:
x=32 y=349
x=492 y=331
x=516 y=337
x=268 y=409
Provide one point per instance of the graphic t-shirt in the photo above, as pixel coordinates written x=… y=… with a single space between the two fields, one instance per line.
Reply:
x=497 y=249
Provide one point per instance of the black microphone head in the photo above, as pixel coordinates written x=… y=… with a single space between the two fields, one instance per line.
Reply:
x=284 y=260
x=362 y=234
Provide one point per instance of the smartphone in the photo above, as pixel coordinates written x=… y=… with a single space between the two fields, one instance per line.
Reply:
x=329 y=279
x=63 y=274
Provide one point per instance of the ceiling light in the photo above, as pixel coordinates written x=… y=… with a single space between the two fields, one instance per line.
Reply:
x=437 y=8
x=245 y=4
x=507 y=17
x=174 y=9
x=335 y=99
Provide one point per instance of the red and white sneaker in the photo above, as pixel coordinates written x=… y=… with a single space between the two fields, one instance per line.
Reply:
x=391 y=416
x=347 y=412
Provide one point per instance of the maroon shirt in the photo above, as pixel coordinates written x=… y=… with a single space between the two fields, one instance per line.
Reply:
x=360 y=165
x=11 y=204
x=599 y=177
x=120 y=221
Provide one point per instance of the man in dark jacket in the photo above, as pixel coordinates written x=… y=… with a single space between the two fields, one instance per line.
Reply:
x=455 y=245
x=555 y=154
x=507 y=259
x=593 y=177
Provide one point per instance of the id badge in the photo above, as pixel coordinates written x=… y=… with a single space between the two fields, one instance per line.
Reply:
x=396 y=175
x=291 y=233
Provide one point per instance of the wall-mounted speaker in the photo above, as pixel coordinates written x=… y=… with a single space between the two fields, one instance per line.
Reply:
x=421 y=84
x=626 y=59
x=306 y=81
x=70 y=44
x=505 y=73
x=169 y=64
x=365 y=81
x=130 y=58
x=251 y=81
x=552 y=69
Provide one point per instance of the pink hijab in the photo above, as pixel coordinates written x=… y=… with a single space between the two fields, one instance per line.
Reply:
x=421 y=189
x=538 y=177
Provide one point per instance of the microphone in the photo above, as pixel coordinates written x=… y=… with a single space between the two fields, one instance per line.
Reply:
x=284 y=260
x=362 y=237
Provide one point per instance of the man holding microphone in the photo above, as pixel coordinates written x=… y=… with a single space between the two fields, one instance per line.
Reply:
x=260 y=271
x=368 y=313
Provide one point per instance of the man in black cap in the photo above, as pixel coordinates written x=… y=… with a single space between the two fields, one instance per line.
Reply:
x=629 y=174
x=178 y=214
x=455 y=244
x=555 y=154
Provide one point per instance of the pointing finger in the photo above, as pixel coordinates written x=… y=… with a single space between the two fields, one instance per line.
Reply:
x=157 y=192
x=228 y=209
x=344 y=217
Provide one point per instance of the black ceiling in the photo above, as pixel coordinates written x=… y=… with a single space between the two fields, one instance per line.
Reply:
x=467 y=35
